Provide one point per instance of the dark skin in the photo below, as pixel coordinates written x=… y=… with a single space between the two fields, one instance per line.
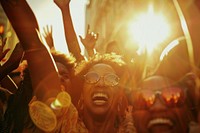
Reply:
x=70 y=34
x=159 y=117
x=12 y=62
x=96 y=116
x=25 y=26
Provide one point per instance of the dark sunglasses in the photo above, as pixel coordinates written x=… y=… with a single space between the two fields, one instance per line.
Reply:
x=171 y=97
x=109 y=79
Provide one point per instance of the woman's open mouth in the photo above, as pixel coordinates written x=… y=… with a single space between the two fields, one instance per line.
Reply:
x=100 y=98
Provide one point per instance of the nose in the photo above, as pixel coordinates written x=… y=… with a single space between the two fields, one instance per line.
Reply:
x=158 y=106
x=100 y=82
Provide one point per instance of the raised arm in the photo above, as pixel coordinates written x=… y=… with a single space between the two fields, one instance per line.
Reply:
x=70 y=34
x=44 y=77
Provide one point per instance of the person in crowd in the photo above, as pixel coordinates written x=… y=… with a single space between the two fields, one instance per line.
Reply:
x=13 y=61
x=21 y=18
x=102 y=102
x=16 y=118
x=7 y=85
x=46 y=85
x=6 y=68
x=44 y=77
x=89 y=41
x=191 y=81
x=66 y=65
x=43 y=73
x=70 y=35
x=106 y=94
x=17 y=75
x=162 y=105
x=17 y=110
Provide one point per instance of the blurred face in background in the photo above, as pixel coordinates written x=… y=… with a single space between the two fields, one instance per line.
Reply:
x=64 y=75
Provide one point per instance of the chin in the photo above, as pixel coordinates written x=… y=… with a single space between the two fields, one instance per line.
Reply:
x=100 y=111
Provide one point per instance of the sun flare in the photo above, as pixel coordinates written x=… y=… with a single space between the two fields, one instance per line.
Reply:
x=149 y=29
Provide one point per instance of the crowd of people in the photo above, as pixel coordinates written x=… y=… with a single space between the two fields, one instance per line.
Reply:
x=44 y=90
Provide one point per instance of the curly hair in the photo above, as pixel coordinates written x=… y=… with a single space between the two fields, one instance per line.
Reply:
x=68 y=61
x=119 y=66
x=111 y=59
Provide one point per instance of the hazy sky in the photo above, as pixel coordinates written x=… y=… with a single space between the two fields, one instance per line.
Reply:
x=47 y=13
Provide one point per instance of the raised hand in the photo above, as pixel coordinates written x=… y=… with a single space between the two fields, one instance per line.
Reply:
x=62 y=3
x=3 y=52
x=90 y=39
x=48 y=36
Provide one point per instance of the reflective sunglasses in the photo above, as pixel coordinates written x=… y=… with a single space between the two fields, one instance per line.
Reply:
x=171 y=97
x=109 y=79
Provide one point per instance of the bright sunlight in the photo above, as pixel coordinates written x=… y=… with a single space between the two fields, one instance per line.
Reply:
x=149 y=30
